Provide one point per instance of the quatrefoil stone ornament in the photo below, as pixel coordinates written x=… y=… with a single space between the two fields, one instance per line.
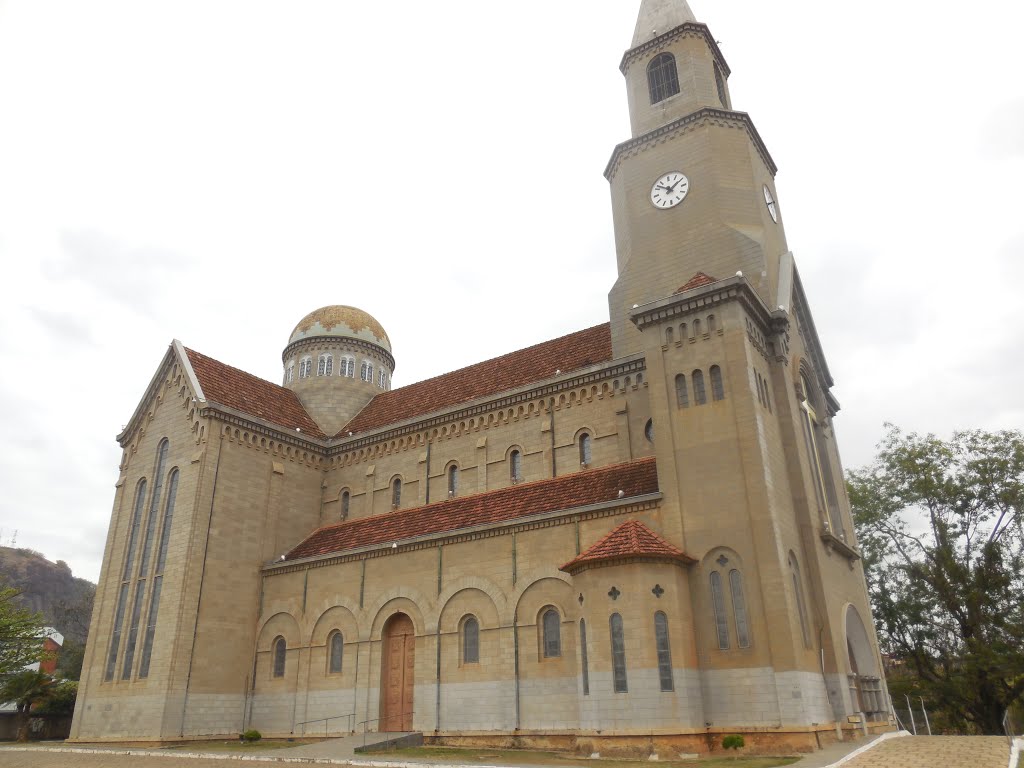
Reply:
x=658 y=591
x=722 y=560
x=614 y=593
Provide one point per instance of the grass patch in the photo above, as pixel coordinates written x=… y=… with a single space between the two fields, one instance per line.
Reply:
x=234 y=745
x=535 y=757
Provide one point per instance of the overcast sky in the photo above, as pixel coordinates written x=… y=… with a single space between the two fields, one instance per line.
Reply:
x=212 y=171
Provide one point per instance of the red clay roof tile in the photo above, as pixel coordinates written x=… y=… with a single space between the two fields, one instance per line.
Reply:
x=635 y=478
x=516 y=369
x=696 y=282
x=250 y=394
x=632 y=539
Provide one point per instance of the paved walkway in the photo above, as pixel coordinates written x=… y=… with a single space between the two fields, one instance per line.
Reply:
x=935 y=752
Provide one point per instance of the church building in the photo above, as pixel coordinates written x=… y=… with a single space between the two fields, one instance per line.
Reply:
x=634 y=538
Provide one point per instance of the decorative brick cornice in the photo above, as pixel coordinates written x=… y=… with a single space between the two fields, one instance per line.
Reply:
x=736 y=288
x=689 y=29
x=707 y=115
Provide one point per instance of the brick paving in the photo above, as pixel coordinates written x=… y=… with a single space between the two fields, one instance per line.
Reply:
x=935 y=752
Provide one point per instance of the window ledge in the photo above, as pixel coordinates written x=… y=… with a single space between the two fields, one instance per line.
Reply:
x=836 y=544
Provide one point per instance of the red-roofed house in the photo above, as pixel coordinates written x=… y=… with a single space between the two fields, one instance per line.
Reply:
x=634 y=534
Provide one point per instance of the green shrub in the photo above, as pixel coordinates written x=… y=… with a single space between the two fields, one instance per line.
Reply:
x=251 y=735
x=733 y=741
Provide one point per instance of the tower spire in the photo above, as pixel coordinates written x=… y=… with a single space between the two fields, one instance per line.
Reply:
x=659 y=16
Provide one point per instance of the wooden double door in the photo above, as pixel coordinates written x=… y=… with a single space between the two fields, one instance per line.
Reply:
x=398 y=667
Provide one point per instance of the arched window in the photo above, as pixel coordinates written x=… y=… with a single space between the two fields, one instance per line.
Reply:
x=140 y=505
x=122 y=598
x=682 y=332
x=280 y=649
x=682 y=395
x=649 y=430
x=158 y=578
x=585 y=454
x=305 y=367
x=664 y=651
x=720 y=85
x=396 y=493
x=739 y=609
x=718 y=606
x=289 y=374
x=470 y=640
x=325 y=365
x=585 y=667
x=618 y=654
x=552 y=633
x=515 y=466
x=382 y=379
x=347 y=367
x=700 y=397
x=346 y=503
x=712 y=324
x=669 y=333
x=717 y=385
x=798 y=592
x=453 y=480
x=820 y=467
x=335 y=650
x=696 y=328
x=662 y=78
x=366 y=371
x=767 y=399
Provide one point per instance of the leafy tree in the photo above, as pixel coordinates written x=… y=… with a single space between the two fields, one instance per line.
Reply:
x=26 y=689
x=21 y=633
x=70 y=660
x=941 y=528
x=61 y=699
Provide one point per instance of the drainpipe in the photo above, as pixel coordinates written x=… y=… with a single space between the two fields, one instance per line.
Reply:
x=515 y=658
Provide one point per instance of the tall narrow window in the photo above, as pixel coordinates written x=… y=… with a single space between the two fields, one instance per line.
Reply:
x=718 y=605
x=324 y=365
x=664 y=651
x=585 y=455
x=552 y=633
x=280 y=650
x=515 y=466
x=347 y=367
x=336 y=647
x=696 y=328
x=669 y=335
x=289 y=375
x=585 y=667
x=453 y=481
x=798 y=591
x=819 y=463
x=618 y=654
x=739 y=609
x=115 y=637
x=158 y=578
x=140 y=501
x=366 y=371
x=720 y=85
x=717 y=385
x=712 y=324
x=470 y=640
x=682 y=395
x=346 y=502
x=662 y=77
x=767 y=399
x=382 y=379
x=133 y=632
x=305 y=367
x=154 y=507
x=699 y=395
x=396 y=493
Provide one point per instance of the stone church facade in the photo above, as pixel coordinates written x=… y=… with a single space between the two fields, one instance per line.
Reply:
x=633 y=537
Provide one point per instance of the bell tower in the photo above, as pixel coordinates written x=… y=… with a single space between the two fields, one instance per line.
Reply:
x=693 y=190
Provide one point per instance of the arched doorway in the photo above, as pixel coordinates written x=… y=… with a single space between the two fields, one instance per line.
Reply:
x=864 y=680
x=397 y=678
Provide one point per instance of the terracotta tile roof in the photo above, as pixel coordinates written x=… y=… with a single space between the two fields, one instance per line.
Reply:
x=592 y=486
x=250 y=394
x=696 y=282
x=632 y=539
x=516 y=369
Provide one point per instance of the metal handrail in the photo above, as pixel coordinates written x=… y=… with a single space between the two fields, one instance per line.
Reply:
x=364 y=723
x=326 y=720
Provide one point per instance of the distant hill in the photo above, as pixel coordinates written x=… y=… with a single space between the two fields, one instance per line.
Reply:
x=50 y=589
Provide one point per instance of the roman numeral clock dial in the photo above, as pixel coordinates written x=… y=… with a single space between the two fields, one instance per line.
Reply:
x=669 y=190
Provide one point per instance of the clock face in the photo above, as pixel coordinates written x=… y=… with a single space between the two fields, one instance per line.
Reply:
x=773 y=209
x=669 y=190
